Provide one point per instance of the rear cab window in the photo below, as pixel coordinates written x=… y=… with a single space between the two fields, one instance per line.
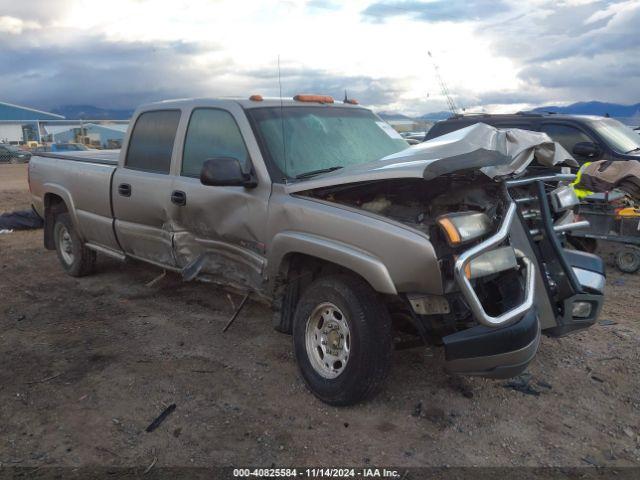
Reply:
x=151 y=144
x=212 y=132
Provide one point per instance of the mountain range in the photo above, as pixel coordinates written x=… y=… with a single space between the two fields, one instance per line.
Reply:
x=627 y=113
x=90 y=112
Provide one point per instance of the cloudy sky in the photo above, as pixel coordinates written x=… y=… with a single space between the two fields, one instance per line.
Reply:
x=500 y=54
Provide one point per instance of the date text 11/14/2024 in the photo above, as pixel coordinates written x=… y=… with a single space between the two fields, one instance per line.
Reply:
x=317 y=472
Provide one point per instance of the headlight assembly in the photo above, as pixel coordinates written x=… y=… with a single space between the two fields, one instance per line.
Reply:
x=493 y=261
x=460 y=228
x=563 y=198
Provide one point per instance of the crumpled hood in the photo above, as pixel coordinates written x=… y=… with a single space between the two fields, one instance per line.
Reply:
x=496 y=153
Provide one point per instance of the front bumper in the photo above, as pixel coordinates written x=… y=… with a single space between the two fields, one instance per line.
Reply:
x=479 y=313
x=500 y=346
x=589 y=270
x=493 y=352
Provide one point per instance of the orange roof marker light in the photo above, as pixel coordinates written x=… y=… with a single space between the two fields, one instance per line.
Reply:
x=305 y=97
x=256 y=98
x=351 y=101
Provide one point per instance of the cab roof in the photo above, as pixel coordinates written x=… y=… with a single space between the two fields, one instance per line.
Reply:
x=244 y=102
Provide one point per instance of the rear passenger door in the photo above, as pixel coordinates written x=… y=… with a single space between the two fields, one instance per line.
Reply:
x=141 y=188
x=219 y=230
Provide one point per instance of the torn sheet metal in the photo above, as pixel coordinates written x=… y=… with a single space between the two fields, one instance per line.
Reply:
x=480 y=146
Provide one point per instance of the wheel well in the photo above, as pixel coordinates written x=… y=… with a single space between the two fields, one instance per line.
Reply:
x=297 y=272
x=53 y=205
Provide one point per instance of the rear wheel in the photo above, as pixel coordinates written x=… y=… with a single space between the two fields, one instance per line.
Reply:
x=628 y=260
x=342 y=339
x=76 y=259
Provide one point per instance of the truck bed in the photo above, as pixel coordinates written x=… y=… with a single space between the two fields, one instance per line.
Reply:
x=83 y=181
x=105 y=157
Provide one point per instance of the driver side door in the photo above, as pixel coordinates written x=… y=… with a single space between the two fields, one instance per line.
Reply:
x=219 y=231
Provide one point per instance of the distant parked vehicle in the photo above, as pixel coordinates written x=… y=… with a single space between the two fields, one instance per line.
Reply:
x=587 y=137
x=13 y=154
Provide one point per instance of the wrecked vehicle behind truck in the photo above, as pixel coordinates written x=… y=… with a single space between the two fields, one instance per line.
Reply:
x=355 y=239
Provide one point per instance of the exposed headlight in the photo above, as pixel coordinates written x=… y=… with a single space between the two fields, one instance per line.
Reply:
x=491 y=262
x=563 y=198
x=581 y=310
x=461 y=228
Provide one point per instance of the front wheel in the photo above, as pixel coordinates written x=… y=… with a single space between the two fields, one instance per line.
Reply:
x=76 y=259
x=342 y=339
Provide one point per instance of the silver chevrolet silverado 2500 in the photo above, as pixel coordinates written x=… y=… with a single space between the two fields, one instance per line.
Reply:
x=356 y=239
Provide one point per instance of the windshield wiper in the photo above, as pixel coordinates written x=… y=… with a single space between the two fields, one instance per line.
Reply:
x=631 y=151
x=318 y=172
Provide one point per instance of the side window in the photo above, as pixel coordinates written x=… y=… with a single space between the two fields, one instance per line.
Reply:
x=565 y=135
x=211 y=133
x=152 y=140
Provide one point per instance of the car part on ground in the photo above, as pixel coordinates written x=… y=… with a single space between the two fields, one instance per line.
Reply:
x=20 y=220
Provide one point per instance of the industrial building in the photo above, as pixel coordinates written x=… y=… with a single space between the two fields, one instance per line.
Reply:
x=95 y=133
x=24 y=125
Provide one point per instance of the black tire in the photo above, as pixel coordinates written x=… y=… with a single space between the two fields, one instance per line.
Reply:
x=628 y=260
x=370 y=345
x=76 y=259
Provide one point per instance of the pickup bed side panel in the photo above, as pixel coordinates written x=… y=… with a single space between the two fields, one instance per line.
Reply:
x=85 y=189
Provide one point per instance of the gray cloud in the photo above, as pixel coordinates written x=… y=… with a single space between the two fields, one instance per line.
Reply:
x=436 y=11
x=367 y=90
x=560 y=56
x=563 y=55
x=95 y=71
x=42 y=11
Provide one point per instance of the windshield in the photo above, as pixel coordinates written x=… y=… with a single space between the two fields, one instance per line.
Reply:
x=618 y=136
x=319 y=138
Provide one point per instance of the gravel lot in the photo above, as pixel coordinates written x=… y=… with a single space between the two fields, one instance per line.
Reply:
x=88 y=363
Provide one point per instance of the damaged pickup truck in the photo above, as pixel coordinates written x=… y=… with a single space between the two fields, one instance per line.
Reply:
x=356 y=239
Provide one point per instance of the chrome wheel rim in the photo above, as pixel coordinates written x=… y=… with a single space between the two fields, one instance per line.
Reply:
x=66 y=245
x=328 y=340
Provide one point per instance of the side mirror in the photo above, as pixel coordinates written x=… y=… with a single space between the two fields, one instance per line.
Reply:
x=586 y=149
x=225 y=172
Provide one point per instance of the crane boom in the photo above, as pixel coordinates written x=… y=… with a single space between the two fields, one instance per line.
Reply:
x=443 y=86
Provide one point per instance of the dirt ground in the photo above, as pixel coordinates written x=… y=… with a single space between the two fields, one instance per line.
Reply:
x=87 y=364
